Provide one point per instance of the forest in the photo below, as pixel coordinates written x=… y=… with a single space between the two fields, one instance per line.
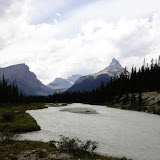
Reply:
x=127 y=85
x=8 y=93
x=145 y=79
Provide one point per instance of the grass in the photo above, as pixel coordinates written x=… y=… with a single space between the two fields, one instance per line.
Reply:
x=16 y=147
x=151 y=109
x=21 y=107
x=21 y=121
x=149 y=103
x=14 y=119
x=81 y=149
x=13 y=149
x=127 y=107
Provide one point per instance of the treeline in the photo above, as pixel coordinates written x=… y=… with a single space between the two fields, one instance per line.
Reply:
x=8 y=93
x=146 y=78
x=128 y=85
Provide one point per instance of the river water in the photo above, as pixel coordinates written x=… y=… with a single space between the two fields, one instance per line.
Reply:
x=119 y=132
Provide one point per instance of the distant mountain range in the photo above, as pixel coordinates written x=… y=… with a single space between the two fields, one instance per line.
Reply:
x=28 y=83
x=61 y=85
x=87 y=83
x=25 y=79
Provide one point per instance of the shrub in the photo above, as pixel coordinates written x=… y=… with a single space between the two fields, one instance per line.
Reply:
x=42 y=153
x=124 y=158
x=76 y=147
x=8 y=116
x=12 y=157
x=7 y=136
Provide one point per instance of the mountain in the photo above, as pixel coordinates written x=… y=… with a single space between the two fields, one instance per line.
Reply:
x=87 y=83
x=26 y=80
x=114 y=69
x=61 y=85
x=73 y=78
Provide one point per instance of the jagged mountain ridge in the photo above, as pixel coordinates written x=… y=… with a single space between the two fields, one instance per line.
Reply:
x=29 y=84
x=87 y=83
x=61 y=85
x=113 y=69
x=26 y=80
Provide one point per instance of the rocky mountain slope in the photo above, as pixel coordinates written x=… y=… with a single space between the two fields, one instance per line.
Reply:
x=114 y=69
x=61 y=85
x=87 y=83
x=26 y=80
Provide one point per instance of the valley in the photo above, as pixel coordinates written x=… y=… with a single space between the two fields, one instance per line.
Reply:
x=89 y=112
x=79 y=80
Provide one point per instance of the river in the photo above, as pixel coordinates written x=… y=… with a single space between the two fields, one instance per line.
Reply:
x=119 y=132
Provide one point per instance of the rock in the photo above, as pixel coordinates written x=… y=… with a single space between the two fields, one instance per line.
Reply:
x=88 y=82
x=26 y=80
x=60 y=156
x=80 y=110
x=35 y=155
x=28 y=155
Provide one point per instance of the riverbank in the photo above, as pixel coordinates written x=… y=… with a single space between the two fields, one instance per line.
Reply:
x=36 y=150
x=118 y=132
x=13 y=120
x=150 y=103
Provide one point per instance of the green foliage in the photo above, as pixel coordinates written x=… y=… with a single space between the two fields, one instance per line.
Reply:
x=146 y=79
x=10 y=150
x=16 y=119
x=8 y=116
x=7 y=136
x=8 y=93
x=23 y=122
x=156 y=110
x=42 y=153
x=12 y=157
x=76 y=147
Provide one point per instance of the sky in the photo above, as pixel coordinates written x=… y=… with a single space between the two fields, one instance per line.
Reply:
x=59 y=38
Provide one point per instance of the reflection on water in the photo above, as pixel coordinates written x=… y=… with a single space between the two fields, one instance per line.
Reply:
x=119 y=133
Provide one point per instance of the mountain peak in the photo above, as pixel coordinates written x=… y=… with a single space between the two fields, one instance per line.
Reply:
x=114 y=62
x=62 y=85
x=19 y=74
x=87 y=83
x=113 y=69
x=20 y=67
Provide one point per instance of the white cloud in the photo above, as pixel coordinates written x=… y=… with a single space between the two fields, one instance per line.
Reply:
x=4 y=5
x=58 y=14
x=83 y=40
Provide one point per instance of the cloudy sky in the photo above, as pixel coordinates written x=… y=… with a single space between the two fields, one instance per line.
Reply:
x=59 y=38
